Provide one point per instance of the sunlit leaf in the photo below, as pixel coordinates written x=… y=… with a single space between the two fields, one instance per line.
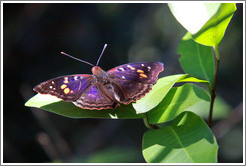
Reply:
x=159 y=91
x=193 y=15
x=176 y=101
x=213 y=31
x=191 y=79
x=68 y=109
x=206 y=22
x=187 y=139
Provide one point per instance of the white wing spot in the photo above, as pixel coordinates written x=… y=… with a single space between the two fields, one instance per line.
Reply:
x=123 y=77
x=52 y=82
x=75 y=77
x=121 y=69
x=51 y=87
x=116 y=97
x=149 y=68
x=142 y=64
x=132 y=68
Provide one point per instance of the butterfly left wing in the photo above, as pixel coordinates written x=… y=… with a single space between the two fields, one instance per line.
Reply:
x=132 y=81
x=142 y=72
x=81 y=89
x=67 y=88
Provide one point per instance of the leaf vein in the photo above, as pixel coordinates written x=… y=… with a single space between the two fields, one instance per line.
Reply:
x=181 y=144
x=201 y=64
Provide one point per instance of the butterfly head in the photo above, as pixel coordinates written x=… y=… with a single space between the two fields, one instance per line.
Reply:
x=98 y=71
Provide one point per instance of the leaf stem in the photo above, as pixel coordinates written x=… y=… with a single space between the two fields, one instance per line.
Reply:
x=213 y=90
x=147 y=124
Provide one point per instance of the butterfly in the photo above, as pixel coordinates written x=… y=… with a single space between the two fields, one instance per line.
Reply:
x=104 y=90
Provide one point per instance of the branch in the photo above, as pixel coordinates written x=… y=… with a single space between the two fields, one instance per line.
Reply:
x=213 y=91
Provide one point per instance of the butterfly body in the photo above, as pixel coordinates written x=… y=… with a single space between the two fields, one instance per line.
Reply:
x=104 y=90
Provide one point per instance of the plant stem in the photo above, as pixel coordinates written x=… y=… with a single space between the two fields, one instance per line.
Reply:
x=147 y=124
x=213 y=91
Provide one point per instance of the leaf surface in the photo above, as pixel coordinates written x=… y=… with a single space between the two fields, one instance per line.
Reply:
x=68 y=109
x=176 y=101
x=187 y=139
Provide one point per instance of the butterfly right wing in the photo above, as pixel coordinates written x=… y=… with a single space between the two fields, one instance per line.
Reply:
x=67 y=88
x=133 y=80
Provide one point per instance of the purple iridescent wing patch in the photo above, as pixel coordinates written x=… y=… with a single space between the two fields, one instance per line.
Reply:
x=95 y=98
x=132 y=81
x=67 y=88
x=142 y=72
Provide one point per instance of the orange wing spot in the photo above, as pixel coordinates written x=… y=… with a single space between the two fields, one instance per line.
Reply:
x=63 y=86
x=71 y=91
x=66 y=91
x=140 y=71
x=132 y=68
x=143 y=75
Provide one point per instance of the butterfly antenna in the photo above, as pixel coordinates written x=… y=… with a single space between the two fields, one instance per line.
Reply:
x=76 y=58
x=105 y=45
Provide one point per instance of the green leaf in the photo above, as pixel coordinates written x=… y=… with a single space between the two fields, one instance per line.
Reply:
x=221 y=108
x=206 y=22
x=187 y=139
x=213 y=31
x=155 y=96
x=193 y=16
x=191 y=79
x=176 y=101
x=196 y=59
x=68 y=109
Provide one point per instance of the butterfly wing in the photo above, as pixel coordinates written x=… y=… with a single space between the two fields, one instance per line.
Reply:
x=128 y=91
x=142 y=72
x=132 y=81
x=80 y=90
x=68 y=88
x=98 y=96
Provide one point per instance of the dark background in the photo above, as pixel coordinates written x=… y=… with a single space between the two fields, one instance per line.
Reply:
x=35 y=34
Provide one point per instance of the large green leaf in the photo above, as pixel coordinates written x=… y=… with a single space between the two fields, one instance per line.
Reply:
x=196 y=59
x=176 y=101
x=213 y=31
x=221 y=108
x=193 y=16
x=67 y=109
x=206 y=22
x=187 y=139
x=159 y=91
